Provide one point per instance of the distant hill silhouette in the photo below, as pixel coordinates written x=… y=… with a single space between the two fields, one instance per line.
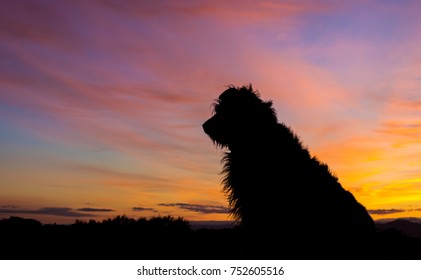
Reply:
x=123 y=238
x=405 y=226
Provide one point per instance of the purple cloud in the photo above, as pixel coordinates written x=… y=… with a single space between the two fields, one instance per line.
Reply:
x=139 y=209
x=385 y=211
x=89 y=209
x=205 y=209
x=54 y=211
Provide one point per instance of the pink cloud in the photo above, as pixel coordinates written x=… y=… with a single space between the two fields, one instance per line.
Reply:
x=247 y=11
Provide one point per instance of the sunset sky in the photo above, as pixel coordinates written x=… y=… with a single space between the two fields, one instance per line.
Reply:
x=102 y=102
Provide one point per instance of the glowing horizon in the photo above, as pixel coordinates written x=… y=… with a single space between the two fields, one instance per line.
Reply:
x=101 y=103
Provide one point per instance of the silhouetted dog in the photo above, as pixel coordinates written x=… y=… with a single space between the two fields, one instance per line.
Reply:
x=288 y=202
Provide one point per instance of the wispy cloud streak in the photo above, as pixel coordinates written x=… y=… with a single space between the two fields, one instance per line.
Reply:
x=141 y=209
x=54 y=211
x=205 y=209
x=89 y=209
x=385 y=211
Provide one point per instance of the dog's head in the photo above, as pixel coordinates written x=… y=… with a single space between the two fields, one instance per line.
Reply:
x=239 y=114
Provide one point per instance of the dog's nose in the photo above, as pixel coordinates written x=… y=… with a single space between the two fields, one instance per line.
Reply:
x=205 y=126
x=211 y=125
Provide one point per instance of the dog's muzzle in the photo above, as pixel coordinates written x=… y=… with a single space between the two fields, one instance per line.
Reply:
x=208 y=126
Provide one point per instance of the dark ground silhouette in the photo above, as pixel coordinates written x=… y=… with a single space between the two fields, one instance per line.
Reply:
x=273 y=184
x=122 y=238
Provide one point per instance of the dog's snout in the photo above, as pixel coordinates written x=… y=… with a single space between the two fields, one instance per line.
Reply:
x=207 y=125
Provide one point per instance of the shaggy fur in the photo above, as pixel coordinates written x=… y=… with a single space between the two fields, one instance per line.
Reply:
x=288 y=202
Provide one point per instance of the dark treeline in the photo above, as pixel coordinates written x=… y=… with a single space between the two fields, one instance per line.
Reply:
x=118 y=238
x=123 y=238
